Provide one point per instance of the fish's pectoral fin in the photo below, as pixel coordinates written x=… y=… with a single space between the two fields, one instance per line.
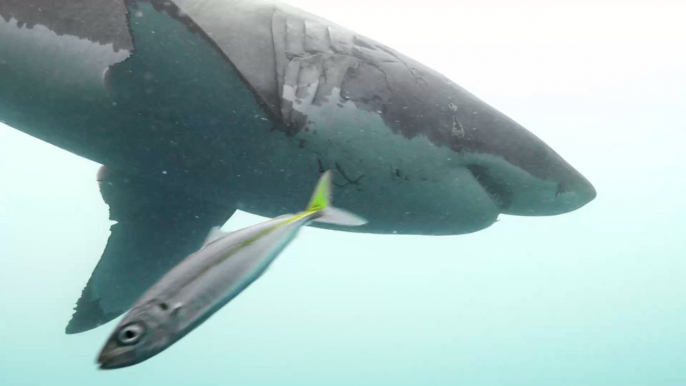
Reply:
x=177 y=310
x=156 y=228
x=215 y=234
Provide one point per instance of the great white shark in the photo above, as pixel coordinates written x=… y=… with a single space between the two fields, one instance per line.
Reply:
x=199 y=108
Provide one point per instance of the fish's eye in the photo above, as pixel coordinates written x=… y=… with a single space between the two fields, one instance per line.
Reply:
x=130 y=334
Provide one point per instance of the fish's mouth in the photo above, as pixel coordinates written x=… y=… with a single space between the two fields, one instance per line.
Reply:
x=111 y=363
x=105 y=365
x=106 y=362
x=113 y=357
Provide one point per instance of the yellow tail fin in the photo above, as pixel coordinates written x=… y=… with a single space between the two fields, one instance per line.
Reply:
x=321 y=198
x=321 y=202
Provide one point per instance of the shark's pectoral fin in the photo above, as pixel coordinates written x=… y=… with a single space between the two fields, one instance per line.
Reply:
x=156 y=228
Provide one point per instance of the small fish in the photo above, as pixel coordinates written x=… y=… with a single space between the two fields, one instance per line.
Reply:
x=206 y=280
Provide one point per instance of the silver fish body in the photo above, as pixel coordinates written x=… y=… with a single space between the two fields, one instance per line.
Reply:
x=205 y=281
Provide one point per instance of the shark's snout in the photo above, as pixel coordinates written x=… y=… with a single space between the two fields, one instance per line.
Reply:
x=575 y=193
x=563 y=191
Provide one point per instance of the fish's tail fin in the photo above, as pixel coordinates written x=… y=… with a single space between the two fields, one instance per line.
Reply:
x=321 y=202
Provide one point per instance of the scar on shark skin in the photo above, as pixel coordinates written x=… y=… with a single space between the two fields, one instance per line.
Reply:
x=397 y=173
x=339 y=169
x=350 y=181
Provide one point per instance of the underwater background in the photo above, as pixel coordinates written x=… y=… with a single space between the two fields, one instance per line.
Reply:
x=592 y=297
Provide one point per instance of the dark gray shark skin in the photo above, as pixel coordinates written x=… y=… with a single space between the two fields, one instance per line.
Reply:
x=199 y=108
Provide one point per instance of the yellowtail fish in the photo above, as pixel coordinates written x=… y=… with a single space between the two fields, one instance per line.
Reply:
x=205 y=281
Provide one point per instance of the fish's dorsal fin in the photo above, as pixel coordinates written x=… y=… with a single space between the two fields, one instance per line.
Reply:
x=321 y=202
x=215 y=234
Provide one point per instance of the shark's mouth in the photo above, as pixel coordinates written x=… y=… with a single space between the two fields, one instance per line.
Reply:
x=499 y=192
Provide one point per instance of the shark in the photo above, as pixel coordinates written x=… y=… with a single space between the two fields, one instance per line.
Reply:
x=196 y=109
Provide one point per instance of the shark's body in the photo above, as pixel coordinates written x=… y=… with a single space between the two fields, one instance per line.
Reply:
x=201 y=108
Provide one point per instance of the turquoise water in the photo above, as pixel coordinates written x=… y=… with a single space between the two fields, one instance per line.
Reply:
x=593 y=297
